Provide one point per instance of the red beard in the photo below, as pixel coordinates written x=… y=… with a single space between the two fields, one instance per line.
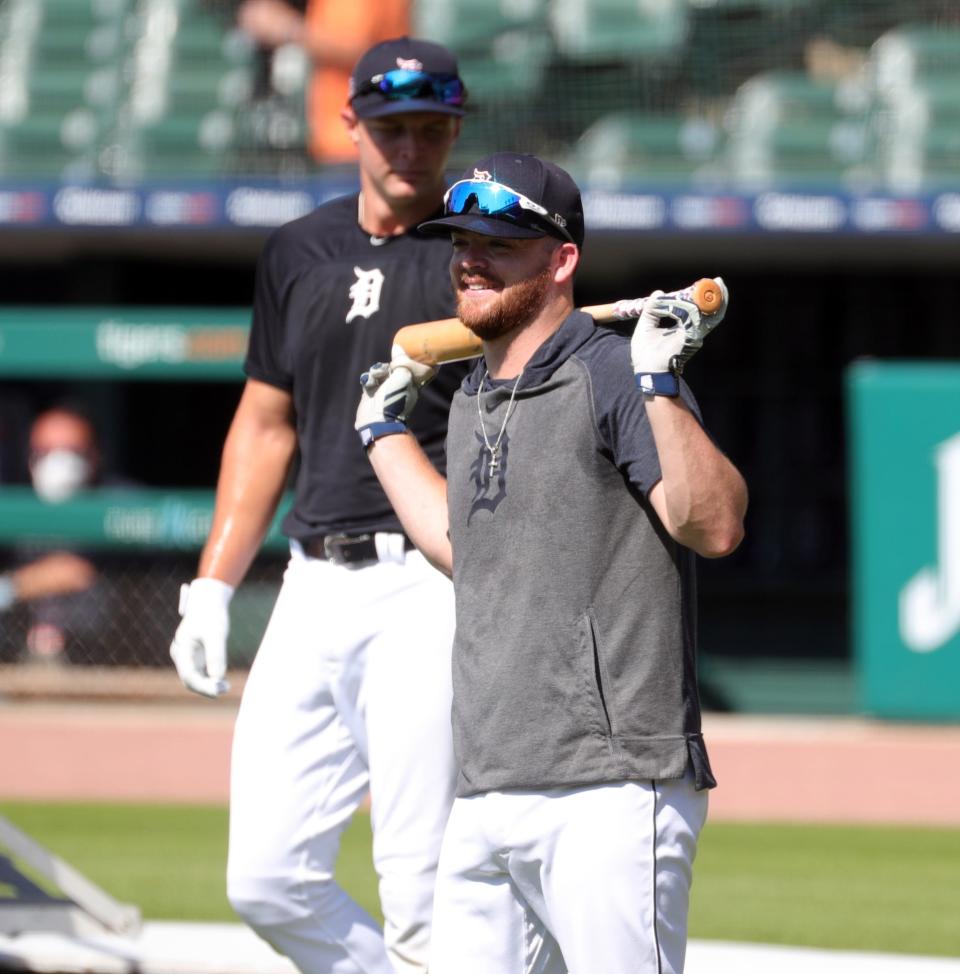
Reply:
x=518 y=305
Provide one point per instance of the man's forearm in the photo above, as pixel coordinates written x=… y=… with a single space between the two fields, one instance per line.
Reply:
x=252 y=478
x=235 y=538
x=418 y=494
x=704 y=498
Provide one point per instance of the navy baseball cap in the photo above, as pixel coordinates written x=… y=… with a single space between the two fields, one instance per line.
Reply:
x=510 y=194
x=407 y=75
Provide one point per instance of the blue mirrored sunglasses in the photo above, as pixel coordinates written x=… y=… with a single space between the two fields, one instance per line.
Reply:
x=496 y=200
x=401 y=84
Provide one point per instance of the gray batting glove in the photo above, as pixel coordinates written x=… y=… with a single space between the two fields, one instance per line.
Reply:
x=669 y=332
x=199 y=647
x=389 y=394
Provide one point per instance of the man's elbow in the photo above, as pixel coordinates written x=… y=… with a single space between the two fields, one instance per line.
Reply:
x=442 y=565
x=723 y=540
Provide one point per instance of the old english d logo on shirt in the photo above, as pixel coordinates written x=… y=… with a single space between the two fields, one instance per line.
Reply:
x=489 y=476
x=365 y=293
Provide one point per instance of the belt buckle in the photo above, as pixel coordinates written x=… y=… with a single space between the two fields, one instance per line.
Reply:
x=333 y=545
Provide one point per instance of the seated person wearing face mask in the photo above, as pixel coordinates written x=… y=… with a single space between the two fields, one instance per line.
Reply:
x=64 y=596
x=64 y=455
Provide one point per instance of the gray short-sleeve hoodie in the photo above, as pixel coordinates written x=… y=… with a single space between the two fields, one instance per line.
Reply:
x=574 y=658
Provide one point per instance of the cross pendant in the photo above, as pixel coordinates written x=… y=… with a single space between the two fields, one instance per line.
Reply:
x=494 y=463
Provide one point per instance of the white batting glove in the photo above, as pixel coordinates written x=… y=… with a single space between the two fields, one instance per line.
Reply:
x=669 y=332
x=389 y=394
x=199 y=647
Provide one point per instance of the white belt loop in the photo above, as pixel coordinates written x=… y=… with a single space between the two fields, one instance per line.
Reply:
x=390 y=546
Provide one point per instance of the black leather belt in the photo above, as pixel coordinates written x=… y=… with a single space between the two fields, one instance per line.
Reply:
x=346 y=549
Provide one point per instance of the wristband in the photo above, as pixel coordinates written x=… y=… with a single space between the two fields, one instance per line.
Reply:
x=658 y=383
x=373 y=431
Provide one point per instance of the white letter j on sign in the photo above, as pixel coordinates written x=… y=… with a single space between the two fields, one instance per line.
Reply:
x=930 y=601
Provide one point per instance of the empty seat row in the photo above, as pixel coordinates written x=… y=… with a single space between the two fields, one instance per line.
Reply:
x=119 y=88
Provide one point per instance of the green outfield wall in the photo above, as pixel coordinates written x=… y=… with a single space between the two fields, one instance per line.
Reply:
x=904 y=423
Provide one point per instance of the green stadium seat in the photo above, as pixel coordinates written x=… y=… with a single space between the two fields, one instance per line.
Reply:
x=915 y=73
x=504 y=87
x=200 y=88
x=204 y=39
x=619 y=30
x=903 y=56
x=81 y=13
x=512 y=68
x=787 y=128
x=468 y=28
x=59 y=45
x=189 y=91
x=817 y=152
x=625 y=148
x=779 y=96
x=185 y=85
x=502 y=48
x=50 y=146
x=175 y=147
x=918 y=137
x=59 y=89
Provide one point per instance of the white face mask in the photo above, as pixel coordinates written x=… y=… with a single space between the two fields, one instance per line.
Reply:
x=59 y=474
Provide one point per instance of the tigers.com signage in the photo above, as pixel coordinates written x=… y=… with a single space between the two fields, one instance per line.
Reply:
x=165 y=343
x=905 y=519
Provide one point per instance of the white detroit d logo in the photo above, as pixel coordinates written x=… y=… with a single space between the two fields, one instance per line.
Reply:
x=930 y=601
x=365 y=293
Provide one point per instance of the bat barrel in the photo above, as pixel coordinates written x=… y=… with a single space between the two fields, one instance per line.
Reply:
x=438 y=341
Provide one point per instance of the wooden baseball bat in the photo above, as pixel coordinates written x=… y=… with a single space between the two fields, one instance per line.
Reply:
x=449 y=340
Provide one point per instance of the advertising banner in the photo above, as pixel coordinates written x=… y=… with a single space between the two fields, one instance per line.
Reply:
x=905 y=523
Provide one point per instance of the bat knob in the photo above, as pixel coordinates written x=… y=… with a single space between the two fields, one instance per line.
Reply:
x=707 y=295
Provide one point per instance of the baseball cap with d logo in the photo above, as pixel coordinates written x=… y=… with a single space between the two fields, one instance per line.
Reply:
x=510 y=194
x=407 y=75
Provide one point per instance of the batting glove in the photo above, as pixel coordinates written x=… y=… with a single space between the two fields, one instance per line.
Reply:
x=199 y=647
x=669 y=332
x=389 y=394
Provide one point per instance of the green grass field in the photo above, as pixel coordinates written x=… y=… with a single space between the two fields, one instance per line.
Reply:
x=854 y=887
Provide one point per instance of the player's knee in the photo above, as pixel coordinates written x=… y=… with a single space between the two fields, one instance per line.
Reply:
x=261 y=900
x=258 y=901
x=268 y=901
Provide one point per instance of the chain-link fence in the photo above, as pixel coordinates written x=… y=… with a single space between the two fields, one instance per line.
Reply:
x=127 y=615
x=98 y=577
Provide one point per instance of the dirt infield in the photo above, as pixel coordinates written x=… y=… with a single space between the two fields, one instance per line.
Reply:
x=156 y=742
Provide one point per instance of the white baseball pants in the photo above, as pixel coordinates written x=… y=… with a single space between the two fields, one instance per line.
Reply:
x=568 y=881
x=350 y=689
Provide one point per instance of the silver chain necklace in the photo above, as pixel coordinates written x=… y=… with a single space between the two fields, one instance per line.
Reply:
x=494 y=450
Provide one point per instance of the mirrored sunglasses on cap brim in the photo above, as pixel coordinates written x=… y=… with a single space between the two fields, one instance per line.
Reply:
x=496 y=200
x=402 y=84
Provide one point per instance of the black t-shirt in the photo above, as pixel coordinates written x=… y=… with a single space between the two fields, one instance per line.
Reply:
x=328 y=302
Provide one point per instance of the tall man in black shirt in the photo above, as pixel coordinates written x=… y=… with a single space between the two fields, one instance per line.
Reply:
x=350 y=688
